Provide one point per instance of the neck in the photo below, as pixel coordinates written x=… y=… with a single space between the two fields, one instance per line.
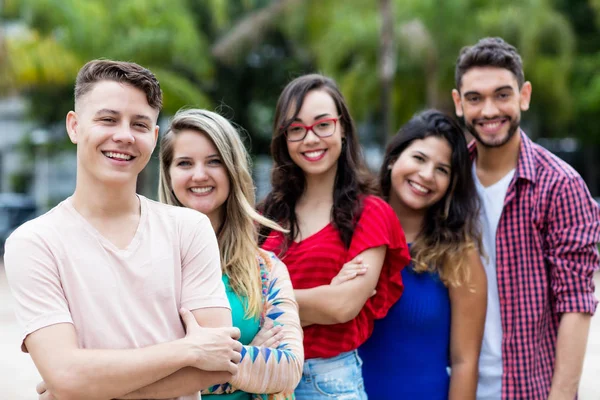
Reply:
x=411 y=221
x=99 y=200
x=499 y=160
x=216 y=219
x=319 y=187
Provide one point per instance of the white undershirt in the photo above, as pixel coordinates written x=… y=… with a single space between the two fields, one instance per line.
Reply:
x=490 y=361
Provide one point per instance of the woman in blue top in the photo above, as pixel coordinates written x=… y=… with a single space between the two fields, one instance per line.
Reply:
x=437 y=325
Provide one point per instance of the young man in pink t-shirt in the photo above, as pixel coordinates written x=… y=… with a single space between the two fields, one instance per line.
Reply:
x=100 y=280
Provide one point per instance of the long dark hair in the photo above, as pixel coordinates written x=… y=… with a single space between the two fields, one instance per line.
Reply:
x=450 y=226
x=287 y=180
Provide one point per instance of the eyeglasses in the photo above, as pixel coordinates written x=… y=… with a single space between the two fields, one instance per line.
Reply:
x=323 y=128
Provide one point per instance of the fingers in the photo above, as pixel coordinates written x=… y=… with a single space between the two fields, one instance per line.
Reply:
x=235 y=333
x=188 y=319
x=232 y=368
x=41 y=387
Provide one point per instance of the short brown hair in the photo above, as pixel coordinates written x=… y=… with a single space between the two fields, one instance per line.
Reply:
x=489 y=52
x=119 y=71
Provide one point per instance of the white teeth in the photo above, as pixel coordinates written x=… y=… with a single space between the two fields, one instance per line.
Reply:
x=314 y=154
x=119 y=156
x=420 y=188
x=492 y=125
x=201 y=190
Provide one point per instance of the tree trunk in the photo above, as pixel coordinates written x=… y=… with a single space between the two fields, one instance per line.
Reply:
x=387 y=67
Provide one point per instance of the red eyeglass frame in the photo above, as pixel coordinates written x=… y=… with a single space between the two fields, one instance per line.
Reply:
x=309 y=128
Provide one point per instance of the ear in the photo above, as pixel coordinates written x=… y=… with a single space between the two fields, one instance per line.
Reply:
x=525 y=96
x=156 y=130
x=457 y=103
x=72 y=126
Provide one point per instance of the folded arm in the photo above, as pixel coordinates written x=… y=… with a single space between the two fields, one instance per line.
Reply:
x=272 y=370
x=189 y=380
x=336 y=304
x=74 y=373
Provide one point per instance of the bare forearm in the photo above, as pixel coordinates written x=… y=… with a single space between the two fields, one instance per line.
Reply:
x=320 y=305
x=570 y=352
x=184 y=382
x=107 y=374
x=463 y=382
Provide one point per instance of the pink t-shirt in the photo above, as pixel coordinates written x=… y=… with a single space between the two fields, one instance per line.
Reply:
x=62 y=270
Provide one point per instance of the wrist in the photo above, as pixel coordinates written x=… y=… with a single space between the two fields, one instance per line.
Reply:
x=185 y=353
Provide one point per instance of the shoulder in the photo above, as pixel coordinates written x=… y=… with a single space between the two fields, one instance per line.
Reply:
x=374 y=205
x=551 y=167
x=44 y=227
x=180 y=216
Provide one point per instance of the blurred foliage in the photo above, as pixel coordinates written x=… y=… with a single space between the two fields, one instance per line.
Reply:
x=236 y=55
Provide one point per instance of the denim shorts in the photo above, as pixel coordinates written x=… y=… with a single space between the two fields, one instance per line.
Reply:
x=338 y=377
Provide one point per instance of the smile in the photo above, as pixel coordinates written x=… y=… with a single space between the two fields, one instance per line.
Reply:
x=493 y=125
x=118 y=156
x=419 y=188
x=202 y=190
x=315 y=155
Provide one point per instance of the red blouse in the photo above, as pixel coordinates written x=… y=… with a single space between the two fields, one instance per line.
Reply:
x=316 y=260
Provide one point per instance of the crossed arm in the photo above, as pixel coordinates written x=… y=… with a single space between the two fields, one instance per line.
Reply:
x=164 y=370
x=336 y=304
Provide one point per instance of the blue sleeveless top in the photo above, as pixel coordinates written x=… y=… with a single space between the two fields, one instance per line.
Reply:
x=407 y=356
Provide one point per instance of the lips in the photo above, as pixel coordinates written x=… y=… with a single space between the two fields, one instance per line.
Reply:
x=420 y=189
x=202 y=189
x=314 y=155
x=117 y=155
x=492 y=125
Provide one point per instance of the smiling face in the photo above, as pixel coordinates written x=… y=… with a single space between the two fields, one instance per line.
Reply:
x=115 y=130
x=317 y=156
x=199 y=178
x=491 y=102
x=420 y=177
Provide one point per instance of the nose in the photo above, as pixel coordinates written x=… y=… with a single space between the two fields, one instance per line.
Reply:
x=427 y=172
x=199 y=173
x=311 y=137
x=124 y=133
x=489 y=109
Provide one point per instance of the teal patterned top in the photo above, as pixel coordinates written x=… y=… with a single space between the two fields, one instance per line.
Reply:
x=266 y=373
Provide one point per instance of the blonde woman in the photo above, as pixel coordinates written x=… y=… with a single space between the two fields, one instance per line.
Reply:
x=204 y=166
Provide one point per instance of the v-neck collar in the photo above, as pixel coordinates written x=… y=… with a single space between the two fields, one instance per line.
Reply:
x=107 y=244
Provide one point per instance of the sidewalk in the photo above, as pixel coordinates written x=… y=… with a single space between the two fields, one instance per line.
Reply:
x=18 y=375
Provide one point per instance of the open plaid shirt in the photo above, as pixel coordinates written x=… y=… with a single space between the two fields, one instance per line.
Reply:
x=546 y=257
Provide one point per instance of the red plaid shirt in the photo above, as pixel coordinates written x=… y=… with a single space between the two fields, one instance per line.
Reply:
x=546 y=257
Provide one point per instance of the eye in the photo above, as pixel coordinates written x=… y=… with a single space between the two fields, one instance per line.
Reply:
x=141 y=126
x=444 y=170
x=295 y=129
x=183 y=163
x=324 y=124
x=473 y=99
x=215 y=161
x=108 y=120
x=503 y=96
x=418 y=157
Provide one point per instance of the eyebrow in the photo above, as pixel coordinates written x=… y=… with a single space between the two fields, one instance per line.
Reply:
x=501 y=88
x=318 y=117
x=114 y=112
x=188 y=157
x=426 y=156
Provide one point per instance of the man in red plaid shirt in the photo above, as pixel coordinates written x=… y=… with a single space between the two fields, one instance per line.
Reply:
x=540 y=228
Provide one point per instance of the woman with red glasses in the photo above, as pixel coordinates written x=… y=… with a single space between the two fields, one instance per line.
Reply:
x=322 y=193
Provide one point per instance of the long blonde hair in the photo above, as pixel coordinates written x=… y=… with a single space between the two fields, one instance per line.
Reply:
x=237 y=235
